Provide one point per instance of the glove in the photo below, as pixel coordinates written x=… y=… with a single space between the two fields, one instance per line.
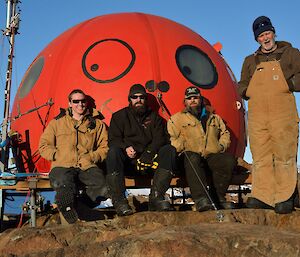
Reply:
x=147 y=161
x=147 y=157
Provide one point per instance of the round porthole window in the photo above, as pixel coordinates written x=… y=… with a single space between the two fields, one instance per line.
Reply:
x=196 y=66
x=31 y=77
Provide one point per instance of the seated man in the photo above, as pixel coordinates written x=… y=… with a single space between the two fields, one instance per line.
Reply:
x=202 y=139
x=75 y=141
x=138 y=141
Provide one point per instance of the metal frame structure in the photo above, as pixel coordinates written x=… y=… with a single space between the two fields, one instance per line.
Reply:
x=12 y=26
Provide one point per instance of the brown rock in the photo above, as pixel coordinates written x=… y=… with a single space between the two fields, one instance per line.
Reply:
x=242 y=233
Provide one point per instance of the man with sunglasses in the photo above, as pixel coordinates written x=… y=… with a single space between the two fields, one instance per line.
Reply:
x=76 y=143
x=268 y=79
x=201 y=139
x=138 y=145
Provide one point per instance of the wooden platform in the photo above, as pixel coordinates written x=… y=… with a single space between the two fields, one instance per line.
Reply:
x=42 y=183
x=140 y=182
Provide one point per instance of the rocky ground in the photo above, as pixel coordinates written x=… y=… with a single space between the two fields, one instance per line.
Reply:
x=243 y=232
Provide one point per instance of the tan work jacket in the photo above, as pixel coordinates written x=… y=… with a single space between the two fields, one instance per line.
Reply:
x=187 y=134
x=70 y=143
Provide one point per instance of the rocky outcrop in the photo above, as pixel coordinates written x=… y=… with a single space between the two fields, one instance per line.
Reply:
x=242 y=233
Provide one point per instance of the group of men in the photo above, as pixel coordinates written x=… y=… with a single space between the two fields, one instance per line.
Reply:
x=90 y=161
x=137 y=142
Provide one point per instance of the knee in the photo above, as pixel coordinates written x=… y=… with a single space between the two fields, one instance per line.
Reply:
x=167 y=149
x=230 y=161
x=167 y=152
x=114 y=152
x=192 y=157
x=59 y=179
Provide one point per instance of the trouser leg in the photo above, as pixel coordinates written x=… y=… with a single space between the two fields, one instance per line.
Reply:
x=63 y=181
x=261 y=149
x=221 y=166
x=285 y=145
x=116 y=181
x=194 y=166
x=95 y=188
x=162 y=179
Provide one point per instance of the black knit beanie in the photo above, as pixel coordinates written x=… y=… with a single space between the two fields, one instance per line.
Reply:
x=262 y=24
x=137 y=89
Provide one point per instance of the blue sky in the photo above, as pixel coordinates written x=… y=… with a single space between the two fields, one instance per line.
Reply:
x=228 y=22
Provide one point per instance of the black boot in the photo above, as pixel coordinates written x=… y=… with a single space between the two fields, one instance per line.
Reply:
x=254 y=203
x=116 y=184
x=203 y=204
x=161 y=183
x=65 y=199
x=297 y=200
x=224 y=204
x=285 y=207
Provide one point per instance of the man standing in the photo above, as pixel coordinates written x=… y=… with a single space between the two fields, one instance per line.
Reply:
x=138 y=143
x=75 y=142
x=202 y=138
x=268 y=79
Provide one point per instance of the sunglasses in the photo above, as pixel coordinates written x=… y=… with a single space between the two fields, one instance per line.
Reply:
x=77 y=101
x=142 y=97
x=262 y=24
x=192 y=97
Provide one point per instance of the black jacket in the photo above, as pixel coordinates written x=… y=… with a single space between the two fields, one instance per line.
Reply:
x=147 y=132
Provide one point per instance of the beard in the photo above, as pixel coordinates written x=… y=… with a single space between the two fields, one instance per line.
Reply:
x=194 y=110
x=139 y=110
x=268 y=46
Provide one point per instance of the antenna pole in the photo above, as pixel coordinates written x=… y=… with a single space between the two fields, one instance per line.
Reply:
x=12 y=26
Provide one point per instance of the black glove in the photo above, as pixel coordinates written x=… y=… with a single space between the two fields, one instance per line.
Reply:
x=147 y=161
x=147 y=157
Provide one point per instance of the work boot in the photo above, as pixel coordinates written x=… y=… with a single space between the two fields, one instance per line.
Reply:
x=161 y=182
x=122 y=207
x=158 y=203
x=203 y=204
x=254 y=203
x=116 y=184
x=297 y=201
x=224 y=204
x=285 y=207
x=65 y=200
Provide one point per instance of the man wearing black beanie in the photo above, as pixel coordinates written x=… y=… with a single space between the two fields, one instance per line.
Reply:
x=268 y=79
x=139 y=145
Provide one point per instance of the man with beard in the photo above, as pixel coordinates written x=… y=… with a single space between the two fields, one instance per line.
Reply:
x=201 y=139
x=268 y=79
x=138 y=145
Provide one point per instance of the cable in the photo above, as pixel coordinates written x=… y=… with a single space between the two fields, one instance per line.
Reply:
x=22 y=213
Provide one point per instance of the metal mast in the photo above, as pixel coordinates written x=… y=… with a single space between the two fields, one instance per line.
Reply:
x=12 y=26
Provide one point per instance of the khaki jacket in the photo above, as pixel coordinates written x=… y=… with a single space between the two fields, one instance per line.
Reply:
x=187 y=134
x=70 y=143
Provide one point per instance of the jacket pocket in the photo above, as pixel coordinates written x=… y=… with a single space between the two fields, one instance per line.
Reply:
x=64 y=138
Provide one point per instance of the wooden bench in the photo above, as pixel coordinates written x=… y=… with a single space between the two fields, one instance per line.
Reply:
x=35 y=184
